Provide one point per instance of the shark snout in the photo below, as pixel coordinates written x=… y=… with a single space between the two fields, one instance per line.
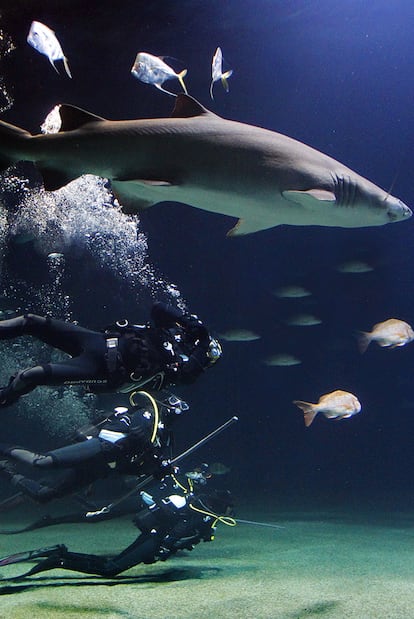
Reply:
x=398 y=211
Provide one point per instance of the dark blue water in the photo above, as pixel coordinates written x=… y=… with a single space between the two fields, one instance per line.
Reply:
x=335 y=75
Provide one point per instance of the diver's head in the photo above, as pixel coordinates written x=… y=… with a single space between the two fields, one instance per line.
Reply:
x=214 y=351
x=173 y=405
x=199 y=474
x=167 y=404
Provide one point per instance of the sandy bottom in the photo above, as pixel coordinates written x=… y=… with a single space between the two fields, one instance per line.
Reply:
x=325 y=565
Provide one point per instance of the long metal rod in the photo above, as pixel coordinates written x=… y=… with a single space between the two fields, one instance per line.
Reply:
x=259 y=524
x=204 y=440
x=178 y=458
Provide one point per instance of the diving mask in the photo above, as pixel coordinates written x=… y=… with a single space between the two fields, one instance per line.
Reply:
x=176 y=405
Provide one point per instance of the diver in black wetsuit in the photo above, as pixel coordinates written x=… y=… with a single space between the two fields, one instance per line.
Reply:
x=136 y=441
x=175 y=517
x=173 y=348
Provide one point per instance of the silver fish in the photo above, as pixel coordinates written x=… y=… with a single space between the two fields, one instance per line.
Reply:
x=153 y=70
x=44 y=41
x=303 y=320
x=354 y=266
x=239 y=335
x=197 y=158
x=218 y=468
x=292 y=292
x=282 y=360
x=217 y=72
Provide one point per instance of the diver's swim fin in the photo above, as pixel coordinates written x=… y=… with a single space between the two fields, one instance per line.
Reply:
x=29 y=555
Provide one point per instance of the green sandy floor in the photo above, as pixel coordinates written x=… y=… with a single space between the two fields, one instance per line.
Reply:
x=319 y=565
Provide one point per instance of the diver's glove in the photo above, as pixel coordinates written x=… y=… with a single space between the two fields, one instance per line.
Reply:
x=165 y=316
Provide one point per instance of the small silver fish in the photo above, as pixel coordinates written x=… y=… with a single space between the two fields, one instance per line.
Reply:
x=292 y=292
x=217 y=72
x=335 y=405
x=239 y=335
x=44 y=41
x=153 y=70
x=391 y=333
x=354 y=266
x=303 y=320
x=218 y=468
x=282 y=360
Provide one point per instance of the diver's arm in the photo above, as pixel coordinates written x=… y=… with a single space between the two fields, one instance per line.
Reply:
x=166 y=316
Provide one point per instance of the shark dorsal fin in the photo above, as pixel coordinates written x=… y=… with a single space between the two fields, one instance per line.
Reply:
x=187 y=107
x=74 y=117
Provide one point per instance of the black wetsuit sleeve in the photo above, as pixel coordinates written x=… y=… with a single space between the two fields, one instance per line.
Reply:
x=166 y=316
x=191 y=354
x=189 y=371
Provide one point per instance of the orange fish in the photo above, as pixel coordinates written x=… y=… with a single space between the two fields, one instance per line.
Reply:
x=391 y=333
x=335 y=405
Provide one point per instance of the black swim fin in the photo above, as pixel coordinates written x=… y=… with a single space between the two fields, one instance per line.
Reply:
x=29 y=555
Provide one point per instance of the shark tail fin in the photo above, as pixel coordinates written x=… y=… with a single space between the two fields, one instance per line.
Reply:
x=10 y=137
x=364 y=340
x=224 y=79
x=181 y=77
x=309 y=411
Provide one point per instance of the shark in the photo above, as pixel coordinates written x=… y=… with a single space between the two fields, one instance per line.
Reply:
x=259 y=177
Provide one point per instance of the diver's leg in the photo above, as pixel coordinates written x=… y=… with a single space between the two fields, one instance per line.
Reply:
x=63 y=457
x=141 y=551
x=85 y=369
x=39 y=492
x=65 y=336
x=69 y=481
x=77 y=562
x=26 y=456
x=24 y=382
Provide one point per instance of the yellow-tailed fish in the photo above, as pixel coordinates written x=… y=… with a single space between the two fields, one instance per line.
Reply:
x=44 y=41
x=153 y=70
x=217 y=72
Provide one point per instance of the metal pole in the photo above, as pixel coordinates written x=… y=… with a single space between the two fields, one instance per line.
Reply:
x=149 y=478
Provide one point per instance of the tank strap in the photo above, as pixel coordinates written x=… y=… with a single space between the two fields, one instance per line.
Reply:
x=112 y=354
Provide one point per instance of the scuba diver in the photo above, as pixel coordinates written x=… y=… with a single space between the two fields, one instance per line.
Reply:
x=136 y=441
x=175 y=516
x=174 y=347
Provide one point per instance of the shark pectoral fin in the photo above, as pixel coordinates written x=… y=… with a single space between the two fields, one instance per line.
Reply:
x=150 y=183
x=309 y=197
x=134 y=183
x=248 y=226
x=74 y=117
x=130 y=197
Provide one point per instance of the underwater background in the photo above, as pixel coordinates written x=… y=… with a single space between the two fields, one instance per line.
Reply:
x=334 y=75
